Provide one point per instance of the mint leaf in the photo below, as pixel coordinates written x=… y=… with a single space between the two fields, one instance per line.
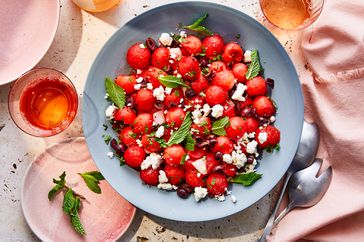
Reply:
x=116 y=93
x=69 y=201
x=190 y=142
x=254 y=67
x=179 y=135
x=161 y=142
x=172 y=81
x=246 y=179
x=218 y=127
x=183 y=160
x=77 y=225
x=196 y=27
x=107 y=138
x=95 y=174
x=60 y=184
x=52 y=193
x=92 y=180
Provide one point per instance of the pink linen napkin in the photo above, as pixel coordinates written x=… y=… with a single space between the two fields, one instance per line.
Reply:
x=334 y=99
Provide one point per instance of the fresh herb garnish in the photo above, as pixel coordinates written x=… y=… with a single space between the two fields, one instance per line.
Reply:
x=218 y=127
x=217 y=58
x=60 y=184
x=205 y=70
x=115 y=93
x=172 y=81
x=105 y=126
x=92 y=180
x=107 y=138
x=190 y=142
x=183 y=160
x=246 y=179
x=122 y=160
x=271 y=148
x=161 y=142
x=179 y=135
x=237 y=36
x=71 y=205
x=196 y=27
x=71 y=199
x=254 y=67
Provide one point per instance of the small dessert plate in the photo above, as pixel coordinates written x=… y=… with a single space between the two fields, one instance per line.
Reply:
x=105 y=216
x=27 y=31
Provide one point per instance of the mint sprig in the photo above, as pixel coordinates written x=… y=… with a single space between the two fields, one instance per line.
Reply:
x=179 y=135
x=71 y=199
x=254 y=67
x=92 y=180
x=218 y=127
x=172 y=81
x=197 y=27
x=115 y=93
x=246 y=179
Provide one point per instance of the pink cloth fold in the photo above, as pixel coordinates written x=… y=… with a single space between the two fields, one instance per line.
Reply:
x=334 y=99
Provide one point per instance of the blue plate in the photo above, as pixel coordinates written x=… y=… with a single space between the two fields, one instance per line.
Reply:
x=228 y=22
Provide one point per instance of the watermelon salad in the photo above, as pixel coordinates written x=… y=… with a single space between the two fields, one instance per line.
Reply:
x=193 y=115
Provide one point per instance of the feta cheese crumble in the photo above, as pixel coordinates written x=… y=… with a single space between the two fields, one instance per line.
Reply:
x=153 y=160
x=239 y=159
x=227 y=158
x=150 y=86
x=217 y=111
x=158 y=93
x=233 y=199
x=239 y=93
x=162 y=177
x=109 y=112
x=183 y=34
x=220 y=198
x=262 y=137
x=139 y=142
x=168 y=90
x=251 y=147
x=158 y=118
x=160 y=132
x=272 y=119
x=174 y=53
x=137 y=86
x=165 y=186
x=110 y=154
x=165 y=39
x=248 y=56
x=200 y=165
x=139 y=79
x=206 y=109
x=138 y=71
x=200 y=193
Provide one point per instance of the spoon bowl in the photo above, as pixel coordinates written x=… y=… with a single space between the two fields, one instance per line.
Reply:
x=305 y=189
x=307 y=148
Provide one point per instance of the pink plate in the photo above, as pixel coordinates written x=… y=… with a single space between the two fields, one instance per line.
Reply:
x=105 y=216
x=27 y=31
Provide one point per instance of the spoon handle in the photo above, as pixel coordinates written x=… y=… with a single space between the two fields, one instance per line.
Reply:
x=283 y=213
x=270 y=223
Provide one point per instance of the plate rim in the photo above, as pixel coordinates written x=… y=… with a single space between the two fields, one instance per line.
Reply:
x=275 y=42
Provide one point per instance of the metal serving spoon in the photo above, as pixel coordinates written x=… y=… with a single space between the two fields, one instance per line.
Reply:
x=304 y=156
x=305 y=189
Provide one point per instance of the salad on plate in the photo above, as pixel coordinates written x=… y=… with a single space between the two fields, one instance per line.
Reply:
x=194 y=114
